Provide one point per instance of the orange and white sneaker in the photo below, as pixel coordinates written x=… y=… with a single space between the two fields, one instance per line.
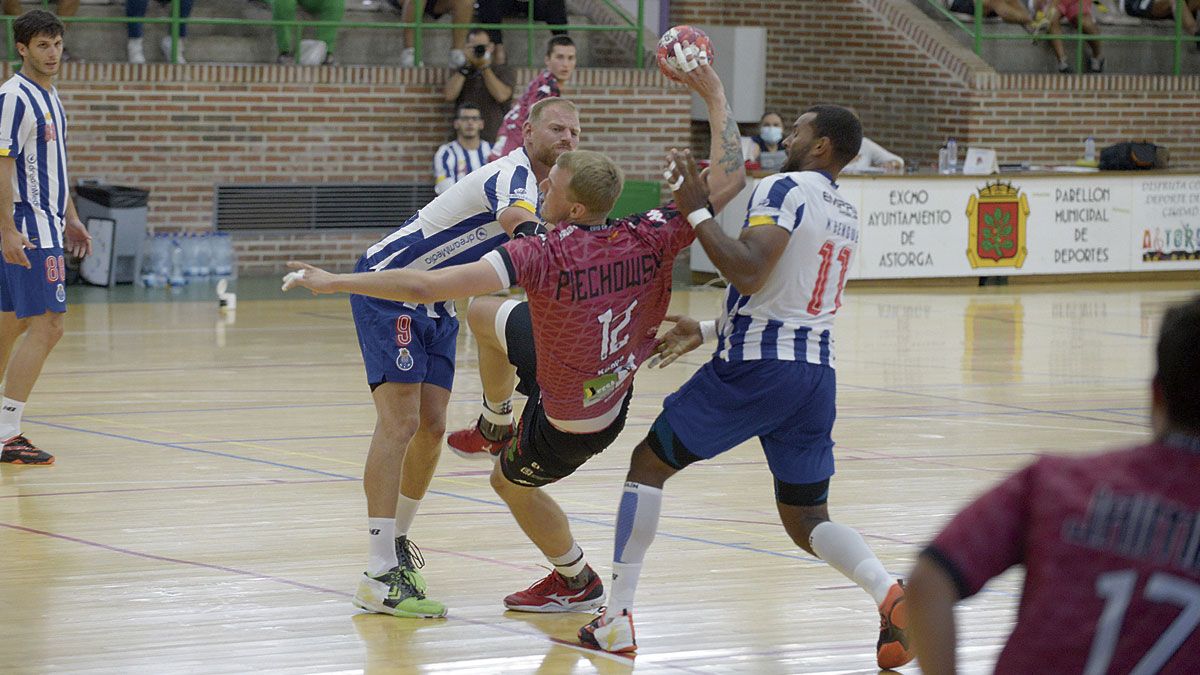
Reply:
x=893 y=649
x=18 y=450
x=611 y=634
x=472 y=444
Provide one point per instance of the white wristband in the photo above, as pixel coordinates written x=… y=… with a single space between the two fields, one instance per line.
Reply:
x=699 y=216
x=708 y=330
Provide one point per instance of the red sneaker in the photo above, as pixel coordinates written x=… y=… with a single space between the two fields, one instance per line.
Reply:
x=18 y=450
x=551 y=594
x=893 y=649
x=471 y=443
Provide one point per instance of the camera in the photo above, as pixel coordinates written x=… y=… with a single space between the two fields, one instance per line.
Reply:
x=480 y=50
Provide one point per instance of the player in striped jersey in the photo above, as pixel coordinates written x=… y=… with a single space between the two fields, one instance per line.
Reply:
x=33 y=178
x=467 y=152
x=409 y=348
x=771 y=377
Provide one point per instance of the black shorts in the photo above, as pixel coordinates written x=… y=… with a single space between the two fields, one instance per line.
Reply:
x=1139 y=8
x=542 y=454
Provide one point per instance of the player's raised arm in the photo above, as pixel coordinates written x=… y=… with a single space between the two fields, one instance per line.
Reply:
x=746 y=262
x=400 y=285
x=727 y=173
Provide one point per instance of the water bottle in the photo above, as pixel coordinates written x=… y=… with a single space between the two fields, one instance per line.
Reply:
x=943 y=160
x=177 y=275
x=222 y=255
x=145 y=276
x=1089 y=150
x=951 y=156
x=204 y=255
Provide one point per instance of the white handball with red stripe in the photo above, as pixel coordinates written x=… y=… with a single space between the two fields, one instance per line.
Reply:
x=682 y=49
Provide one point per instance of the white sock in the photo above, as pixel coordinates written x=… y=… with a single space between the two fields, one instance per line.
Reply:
x=845 y=550
x=406 y=511
x=570 y=564
x=383 y=545
x=637 y=523
x=10 y=418
x=498 y=412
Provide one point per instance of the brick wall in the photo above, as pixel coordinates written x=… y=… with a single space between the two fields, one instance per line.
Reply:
x=180 y=130
x=914 y=85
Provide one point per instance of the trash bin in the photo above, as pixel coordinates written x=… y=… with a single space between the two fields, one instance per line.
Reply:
x=115 y=216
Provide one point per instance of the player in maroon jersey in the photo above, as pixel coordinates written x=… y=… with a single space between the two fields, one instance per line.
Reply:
x=598 y=291
x=1110 y=545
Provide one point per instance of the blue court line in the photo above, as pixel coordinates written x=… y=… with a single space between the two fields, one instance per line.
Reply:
x=176 y=446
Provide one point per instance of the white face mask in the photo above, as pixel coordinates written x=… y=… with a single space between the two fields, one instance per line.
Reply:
x=771 y=135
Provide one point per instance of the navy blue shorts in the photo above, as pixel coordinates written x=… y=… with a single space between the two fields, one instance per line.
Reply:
x=404 y=345
x=790 y=406
x=37 y=290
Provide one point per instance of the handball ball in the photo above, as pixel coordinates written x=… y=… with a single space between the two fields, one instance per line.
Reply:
x=693 y=41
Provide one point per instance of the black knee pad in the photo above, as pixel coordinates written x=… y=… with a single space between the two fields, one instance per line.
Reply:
x=802 y=494
x=667 y=446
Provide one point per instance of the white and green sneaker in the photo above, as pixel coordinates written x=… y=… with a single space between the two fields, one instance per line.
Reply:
x=401 y=590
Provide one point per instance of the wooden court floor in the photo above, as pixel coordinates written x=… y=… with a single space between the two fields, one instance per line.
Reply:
x=205 y=514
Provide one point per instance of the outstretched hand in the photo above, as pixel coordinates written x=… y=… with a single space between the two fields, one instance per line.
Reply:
x=689 y=187
x=683 y=337
x=307 y=276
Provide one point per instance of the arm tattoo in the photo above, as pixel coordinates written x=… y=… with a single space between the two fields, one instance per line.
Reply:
x=731 y=145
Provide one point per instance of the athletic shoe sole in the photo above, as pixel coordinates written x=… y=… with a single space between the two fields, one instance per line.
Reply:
x=585 y=606
x=392 y=611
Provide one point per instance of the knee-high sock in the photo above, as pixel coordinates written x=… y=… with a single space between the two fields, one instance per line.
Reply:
x=637 y=523
x=844 y=549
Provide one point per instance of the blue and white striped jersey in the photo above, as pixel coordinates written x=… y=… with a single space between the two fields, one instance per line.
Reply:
x=791 y=317
x=452 y=162
x=33 y=131
x=459 y=226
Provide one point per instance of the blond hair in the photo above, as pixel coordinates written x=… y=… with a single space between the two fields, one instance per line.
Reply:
x=535 y=113
x=596 y=180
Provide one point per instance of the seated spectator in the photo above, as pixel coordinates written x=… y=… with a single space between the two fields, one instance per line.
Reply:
x=769 y=137
x=134 y=47
x=873 y=157
x=459 y=11
x=560 y=65
x=462 y=155
x=553 y=12
x=323 y=10
x=65 y=8
x=482 y=83
x=1057 y=10
x=1163 y=9
x=1011 y=11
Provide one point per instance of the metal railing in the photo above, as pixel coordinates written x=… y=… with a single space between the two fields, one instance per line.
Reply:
x=630 y=25
x=1078 y=37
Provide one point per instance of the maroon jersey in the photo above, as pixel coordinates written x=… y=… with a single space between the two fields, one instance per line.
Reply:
x=596 y=297
x=1111 y=549
x=510 y=137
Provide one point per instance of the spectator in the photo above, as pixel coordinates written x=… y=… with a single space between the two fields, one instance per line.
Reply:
x=1108 y=542
x=769 y=138
x=324 y=10
x=873 y=156
x=482 y=82
x=1163 y=9
x=560 y=65
x=137 y=8
x=553 y=12
x=465 y=153
x=459 y=11
x=1057 y=10
x=1011 y=11
x=65 y=8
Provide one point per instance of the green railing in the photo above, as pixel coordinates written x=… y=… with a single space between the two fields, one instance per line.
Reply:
x=630 y=25
x=1078 y=37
